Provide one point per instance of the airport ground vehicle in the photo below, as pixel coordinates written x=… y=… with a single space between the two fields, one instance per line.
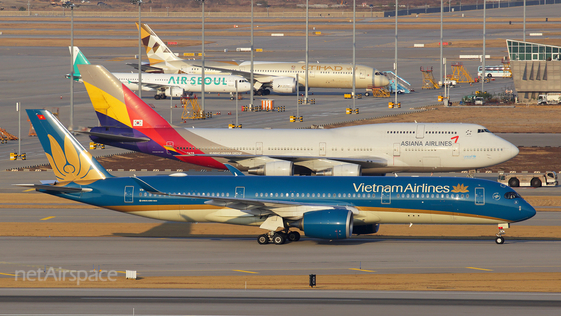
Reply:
x=549 y=98
x=494 y=71
x=536 y=180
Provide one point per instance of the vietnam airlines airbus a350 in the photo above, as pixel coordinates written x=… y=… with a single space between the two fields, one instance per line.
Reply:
x=128 y=122
x=330 y=208
x=280 y=77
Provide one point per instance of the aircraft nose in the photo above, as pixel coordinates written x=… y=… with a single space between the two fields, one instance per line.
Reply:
x=526 y=211
x=511 y=151
x=380 y=81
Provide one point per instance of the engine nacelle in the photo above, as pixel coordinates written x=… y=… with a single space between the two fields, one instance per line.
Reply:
x=284 y=85
x=366 y=229
x=327 y=224
x=174 y=91
x=344 y=170
x=274 y=168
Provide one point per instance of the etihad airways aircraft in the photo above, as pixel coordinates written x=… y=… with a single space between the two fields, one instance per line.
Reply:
x=175 y=85
x=280 y=77
x=329 y=208
x=128 y=122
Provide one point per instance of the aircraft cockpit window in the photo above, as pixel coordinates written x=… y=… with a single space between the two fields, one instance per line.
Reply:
x=512 y=195
x=483 y=130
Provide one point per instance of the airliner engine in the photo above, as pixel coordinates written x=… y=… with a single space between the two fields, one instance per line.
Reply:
x=329 y=224
x=284 y=85
x=274 y=168
x=344 y=170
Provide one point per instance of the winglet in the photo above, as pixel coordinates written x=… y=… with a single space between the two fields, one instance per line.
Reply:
x=234 y=170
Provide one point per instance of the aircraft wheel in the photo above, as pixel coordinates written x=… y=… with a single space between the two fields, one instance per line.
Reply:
x=164 y=96
x=278 y=239
x=367 y=94
x=266 y=92
x=489 y=76
x=293 y=236
x=157 y=97
x=513 y=182
x=500 y=240
x=263 y=239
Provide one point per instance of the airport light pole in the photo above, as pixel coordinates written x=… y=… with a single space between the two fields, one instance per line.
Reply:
x=441 y=14
x=203 y=55
x=524 y=27
x=395 y=62
x=70 y=5
x=28 y=12
x=251 y=61
x=354 y=56
x=307 y=61
x=139 y=2
x=483 y=57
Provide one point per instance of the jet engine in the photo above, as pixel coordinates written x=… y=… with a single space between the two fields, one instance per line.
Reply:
x=284 y=85
x=174 y=91
x=327 y=224
x=344 y=170
x=274 y=168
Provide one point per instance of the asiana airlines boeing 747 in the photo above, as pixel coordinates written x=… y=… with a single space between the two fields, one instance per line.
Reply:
x=321 y=207
x=128 y=122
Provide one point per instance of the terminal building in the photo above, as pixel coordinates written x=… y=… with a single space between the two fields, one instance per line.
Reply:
x=536 y=69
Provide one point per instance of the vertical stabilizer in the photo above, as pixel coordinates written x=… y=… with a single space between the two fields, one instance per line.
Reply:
x=156 y=50
x=115 y=104
x=69 y=160
x=79 y=59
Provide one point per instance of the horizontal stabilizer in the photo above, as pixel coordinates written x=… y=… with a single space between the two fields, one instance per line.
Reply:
x=54 y=188
x=234 y=170
x=118 y=138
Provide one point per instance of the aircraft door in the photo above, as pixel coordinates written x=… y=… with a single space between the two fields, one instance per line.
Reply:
x=396 y=150
x=361 y=73
x=479 y=196
x=129 y=194
x=322 y=149
x=259 y=148
x=386 y=197
x=420 y=133
x=311 y=74
x=455 y=150
x=231 y=83
x=240 y=192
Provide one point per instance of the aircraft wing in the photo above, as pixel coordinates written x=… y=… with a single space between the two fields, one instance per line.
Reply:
x=55 y=188
x=256 y=207
x=246 y=74
x=370 y=162
x=147 y=68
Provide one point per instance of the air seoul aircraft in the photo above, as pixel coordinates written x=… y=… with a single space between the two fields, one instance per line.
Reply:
x=280 y=77
x=345 y=151
x=175 y=85
x=330 y=208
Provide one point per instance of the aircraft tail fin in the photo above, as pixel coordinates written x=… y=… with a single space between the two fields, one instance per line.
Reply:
x=116 y=105
x=69 y=160
x=156 y=50
x=79 y=59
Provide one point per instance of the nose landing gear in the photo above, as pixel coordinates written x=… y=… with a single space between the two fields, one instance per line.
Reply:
x=500 y=239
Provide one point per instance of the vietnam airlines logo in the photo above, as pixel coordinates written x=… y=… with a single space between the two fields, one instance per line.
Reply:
x=460 y=188
x=69 y=165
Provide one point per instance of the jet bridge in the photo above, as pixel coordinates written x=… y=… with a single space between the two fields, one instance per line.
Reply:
x=402 y=85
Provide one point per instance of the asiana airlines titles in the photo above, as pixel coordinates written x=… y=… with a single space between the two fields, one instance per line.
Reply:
x=426 y=143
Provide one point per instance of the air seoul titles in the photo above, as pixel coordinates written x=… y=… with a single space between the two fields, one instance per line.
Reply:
x=217 y=81
x=409 y=188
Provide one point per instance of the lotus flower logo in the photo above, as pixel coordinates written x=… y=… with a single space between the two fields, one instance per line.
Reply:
x=460 y=188
x=69 y=165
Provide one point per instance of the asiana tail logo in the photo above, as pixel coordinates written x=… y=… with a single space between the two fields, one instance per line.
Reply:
x=67 y=164
x=460 y=188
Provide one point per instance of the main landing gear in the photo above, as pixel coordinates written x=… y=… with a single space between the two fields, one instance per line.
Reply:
x=278 y=238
